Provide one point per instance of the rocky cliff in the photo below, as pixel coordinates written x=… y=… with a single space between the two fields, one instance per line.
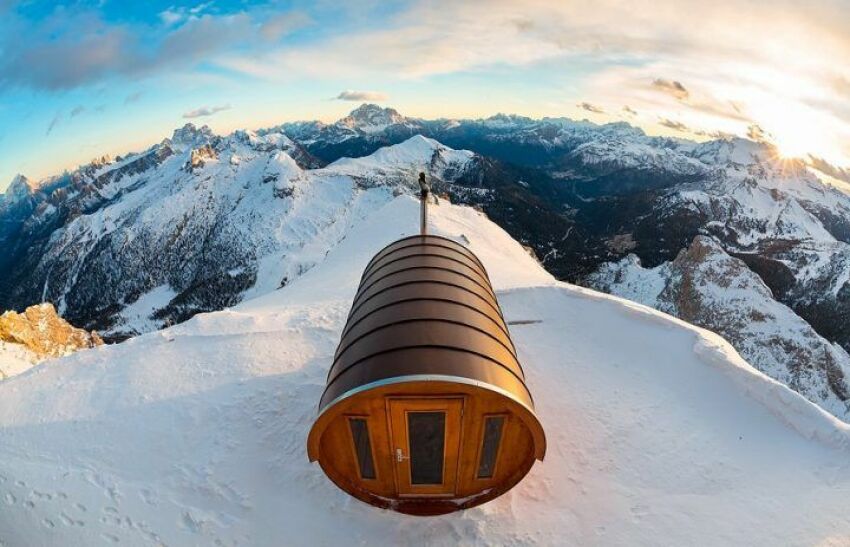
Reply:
x=37 y=334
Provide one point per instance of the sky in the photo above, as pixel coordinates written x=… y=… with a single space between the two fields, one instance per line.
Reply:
x=82 y=79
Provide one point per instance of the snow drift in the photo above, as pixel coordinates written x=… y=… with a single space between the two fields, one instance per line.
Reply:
x=660 y=434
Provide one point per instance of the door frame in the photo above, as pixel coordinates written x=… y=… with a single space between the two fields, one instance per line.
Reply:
x=452 y=405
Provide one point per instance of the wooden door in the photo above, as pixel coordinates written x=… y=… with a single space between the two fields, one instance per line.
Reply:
x=425 y=444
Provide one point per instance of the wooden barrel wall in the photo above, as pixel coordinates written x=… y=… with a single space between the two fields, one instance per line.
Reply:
x=425 y=322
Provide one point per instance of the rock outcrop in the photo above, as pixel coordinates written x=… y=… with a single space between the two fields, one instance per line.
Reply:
x=707 y=287
x=43 y=332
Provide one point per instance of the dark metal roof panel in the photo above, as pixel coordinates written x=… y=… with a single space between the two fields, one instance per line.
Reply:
x=425 y=306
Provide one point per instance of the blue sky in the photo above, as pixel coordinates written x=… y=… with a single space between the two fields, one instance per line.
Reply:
x=81 y=79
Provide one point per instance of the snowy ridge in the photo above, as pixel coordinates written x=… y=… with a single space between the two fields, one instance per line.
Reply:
x=810 y=420
x=704 y=283
x=202 y=222
x=404 y=161
x=224 y=217
x=659 y=433
x=15 y=359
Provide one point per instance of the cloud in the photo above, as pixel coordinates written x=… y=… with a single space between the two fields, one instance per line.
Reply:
x=756 y=133
x=178 y=14
x=591 y=108
x=829 y=169
x=730 y=69
x=171 y=16
x=133 y=97
x=76 y=111
x=279 y=25
x=69 y=48
x=629 y=111
x=841 y=84
x=632 y=53
x=671 y=87
x=206 y=111
x=674 y=125
x=713 y=134
x=350 y=95
x=57 y=119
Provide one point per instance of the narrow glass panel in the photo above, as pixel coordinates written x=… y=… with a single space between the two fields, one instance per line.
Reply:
x=426 y=432
x=490 y=446
x=360 y=434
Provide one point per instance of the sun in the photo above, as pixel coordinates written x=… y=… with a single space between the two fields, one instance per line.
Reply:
x=792 y=127
x=794 y=143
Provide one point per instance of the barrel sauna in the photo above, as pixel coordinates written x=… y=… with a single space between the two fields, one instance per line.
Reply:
x=426 y=410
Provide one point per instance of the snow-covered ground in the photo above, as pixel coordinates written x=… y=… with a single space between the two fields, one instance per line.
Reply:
x=659 y=434
x=15 y=359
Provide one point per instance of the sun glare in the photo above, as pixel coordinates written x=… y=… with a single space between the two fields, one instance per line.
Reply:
x=792 y=127
x=792 y=144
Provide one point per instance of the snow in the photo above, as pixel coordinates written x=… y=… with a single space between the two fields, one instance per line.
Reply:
x=659 y=434
x=137 y=315
x=838 y=184
x=415 y=151
x=706 y=285
x=15 y=359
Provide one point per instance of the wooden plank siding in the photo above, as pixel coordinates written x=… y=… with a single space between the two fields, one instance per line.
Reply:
x=425 y=331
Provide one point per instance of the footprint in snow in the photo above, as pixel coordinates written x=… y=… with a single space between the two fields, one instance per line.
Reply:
x=10 y=498
x=147 y=496
x=66 y=520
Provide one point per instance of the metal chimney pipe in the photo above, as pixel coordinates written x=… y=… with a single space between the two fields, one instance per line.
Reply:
x=424 y=190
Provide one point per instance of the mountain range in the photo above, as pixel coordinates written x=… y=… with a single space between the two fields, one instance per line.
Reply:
x=724 y=234
x=658 y=432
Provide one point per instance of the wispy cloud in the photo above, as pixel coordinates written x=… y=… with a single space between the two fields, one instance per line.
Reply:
x=674 y=125
x=780 y=66
x=57 y=119
x=832 y=170
x=133 y=97
x=171 y=16
x=713 y=134
x=756 y=133
x=671 y=87
x=73 y=48
x=654 y=55
x=206 y=111
x=589 y=107
x=76 y=111
x=351 y=95
x=282 y=24
x=177 y=14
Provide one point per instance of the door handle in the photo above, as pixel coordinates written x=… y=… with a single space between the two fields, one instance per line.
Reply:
x=399 y=455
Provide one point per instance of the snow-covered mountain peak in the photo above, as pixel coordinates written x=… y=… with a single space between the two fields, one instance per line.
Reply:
x=416 y=153
x=190 y=136
x=106 y=159
x=504 y=121
x=733 y=150
x=20 y=188
x=371 y=118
